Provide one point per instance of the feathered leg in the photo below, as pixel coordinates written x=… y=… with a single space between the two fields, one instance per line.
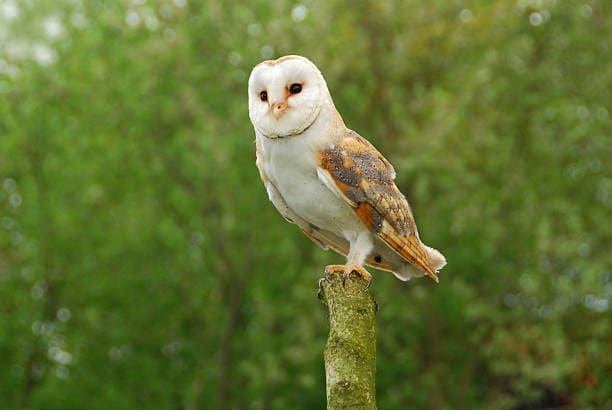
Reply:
x=360 y=247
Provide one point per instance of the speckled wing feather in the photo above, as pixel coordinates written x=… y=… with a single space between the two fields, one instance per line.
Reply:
x=365 y=179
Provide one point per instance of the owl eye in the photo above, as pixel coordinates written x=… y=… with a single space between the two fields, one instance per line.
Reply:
x=263 y=95
x=295 y=88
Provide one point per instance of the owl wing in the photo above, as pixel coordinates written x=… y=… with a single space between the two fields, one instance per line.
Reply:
x=359 y=174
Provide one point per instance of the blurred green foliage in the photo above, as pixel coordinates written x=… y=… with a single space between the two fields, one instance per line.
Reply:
x=142 y=266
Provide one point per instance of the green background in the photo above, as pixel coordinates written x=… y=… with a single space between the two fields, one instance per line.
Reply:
x=143 y=267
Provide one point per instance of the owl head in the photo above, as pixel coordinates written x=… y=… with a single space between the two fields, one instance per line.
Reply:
x=286 y=96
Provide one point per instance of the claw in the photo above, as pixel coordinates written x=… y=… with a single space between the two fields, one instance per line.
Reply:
x=360 y=270
x=333 y=269
x=320 y=291
x=346 y=271
x=329 y=269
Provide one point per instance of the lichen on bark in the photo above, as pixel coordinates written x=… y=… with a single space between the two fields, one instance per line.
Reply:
x=350 y=352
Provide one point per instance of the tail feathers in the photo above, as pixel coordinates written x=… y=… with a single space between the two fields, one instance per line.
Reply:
x=408 y=271
x=436 y=259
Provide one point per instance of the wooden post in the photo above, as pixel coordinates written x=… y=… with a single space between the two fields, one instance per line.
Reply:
x=350 y=352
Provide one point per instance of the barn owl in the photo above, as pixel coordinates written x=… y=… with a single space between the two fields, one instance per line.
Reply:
x=327 y=179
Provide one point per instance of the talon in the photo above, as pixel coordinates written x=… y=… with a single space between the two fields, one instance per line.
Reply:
x=320 y=291
x=360 y=270
x=329 y=269
x=346 y=272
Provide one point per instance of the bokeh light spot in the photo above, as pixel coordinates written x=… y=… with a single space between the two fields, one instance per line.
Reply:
x=535 y=19
x=234 y=58
x=53 y=28
x=37 y=291
x=9 y=10
x=9 y=184
x=15 y=200
x=44 y=54
x=63 y=314
x=132 y=18
x=466 y=15
x=586 y=11
x=299 y=13
x=267 y=51
x=254 y=29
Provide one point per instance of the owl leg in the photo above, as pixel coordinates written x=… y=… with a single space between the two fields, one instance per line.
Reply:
x=361 y=245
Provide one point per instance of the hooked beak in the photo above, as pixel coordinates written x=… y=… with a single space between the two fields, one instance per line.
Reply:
x=279 y=108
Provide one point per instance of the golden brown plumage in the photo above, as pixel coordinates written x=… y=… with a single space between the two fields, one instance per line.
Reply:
x=366 y=180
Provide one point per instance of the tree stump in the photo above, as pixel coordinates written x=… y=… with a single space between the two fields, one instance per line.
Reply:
x=350 y=352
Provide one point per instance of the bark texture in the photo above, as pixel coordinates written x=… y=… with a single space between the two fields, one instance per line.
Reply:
x=350 y=353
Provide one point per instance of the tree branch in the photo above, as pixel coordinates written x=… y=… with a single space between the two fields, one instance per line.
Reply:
x=350 y=353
